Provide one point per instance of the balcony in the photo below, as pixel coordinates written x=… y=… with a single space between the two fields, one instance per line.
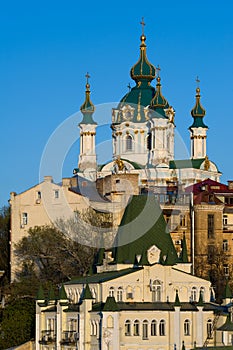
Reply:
x=47 y=337
x=69 y=337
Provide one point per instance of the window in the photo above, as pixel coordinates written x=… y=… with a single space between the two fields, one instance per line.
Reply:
x=145 y=329
x=186 y=327
x=72 y=324
x=56 y=194
x=209 y=329
x=38 y=195
x=162 y=328
x=202 y=291
x=111 y=292
x=226 y=269
x=225 y=245
x=182 y=221
x=129 y=143
x=156 y=291
x=24 y=218
x=225 y=219
x=119 y=294
x=127 y=327
x=136 y=328
x=50 y=324
x=153 y=328
x=210 y=225
x=194 y=294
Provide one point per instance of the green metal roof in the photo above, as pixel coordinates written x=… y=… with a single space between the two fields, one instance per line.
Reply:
x=198 y=123
x=62 y=293
x=143 y=226
x=186 y=163
x=159 y=102
x=102 y=277
x=143 y=69
x=87 y=108
x=110 y=305
x=87 y=293
x=198 y=113
x=227 y=326
x=177 y=299
x=138 y=97
x=184 y=252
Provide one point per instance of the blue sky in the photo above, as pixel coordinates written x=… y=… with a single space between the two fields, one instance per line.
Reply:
x=47 y=48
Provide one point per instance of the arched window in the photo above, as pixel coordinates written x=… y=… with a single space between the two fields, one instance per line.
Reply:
x=156 y=291
x=153 y=328
x=194 y=294
x=145 y=329
x=111 y=292
x=186 y=327
x=209 y=328
x=202 y=291
x=128 y=143
x=119 y=294
x=110 y=322
x=136 y=328
x=162 y=327
x=127 y=327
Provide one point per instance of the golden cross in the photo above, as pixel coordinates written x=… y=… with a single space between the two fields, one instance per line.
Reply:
x=158 y=70
x=87 y=76
x=143 y=25
x=197 y=81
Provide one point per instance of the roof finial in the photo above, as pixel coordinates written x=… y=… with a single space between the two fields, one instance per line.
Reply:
x=158 y=69
x=198 y=87
x=143 y=25
x=87 y=76
x=129 y=87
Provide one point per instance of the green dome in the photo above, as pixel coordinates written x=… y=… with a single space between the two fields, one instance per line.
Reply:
x=198 y=113
x=159 y=102
x=140 y=96
x=87 y=107
x=143 y=69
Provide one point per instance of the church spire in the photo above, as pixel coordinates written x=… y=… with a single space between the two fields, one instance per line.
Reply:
x=198 y=128
x=143 y=70
x=87 y=107
x=159 y=102
x=198 y=112
x=87 y=156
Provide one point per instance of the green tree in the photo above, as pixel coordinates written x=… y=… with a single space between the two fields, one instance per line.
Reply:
x=48 y=254
x=17 y=322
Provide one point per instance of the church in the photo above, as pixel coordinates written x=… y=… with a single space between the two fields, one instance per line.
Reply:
x=140 y=293
x=143 y=133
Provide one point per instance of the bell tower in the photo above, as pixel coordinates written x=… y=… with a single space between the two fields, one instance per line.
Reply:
x=198 y=129
x=87 y=156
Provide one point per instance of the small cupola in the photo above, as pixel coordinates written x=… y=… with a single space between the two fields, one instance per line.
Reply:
x=87 y=107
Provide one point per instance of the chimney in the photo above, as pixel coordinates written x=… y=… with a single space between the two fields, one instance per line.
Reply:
x=230 y=184
x=48 y=178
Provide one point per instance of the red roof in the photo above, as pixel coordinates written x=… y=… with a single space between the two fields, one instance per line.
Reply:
x=210 y=186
